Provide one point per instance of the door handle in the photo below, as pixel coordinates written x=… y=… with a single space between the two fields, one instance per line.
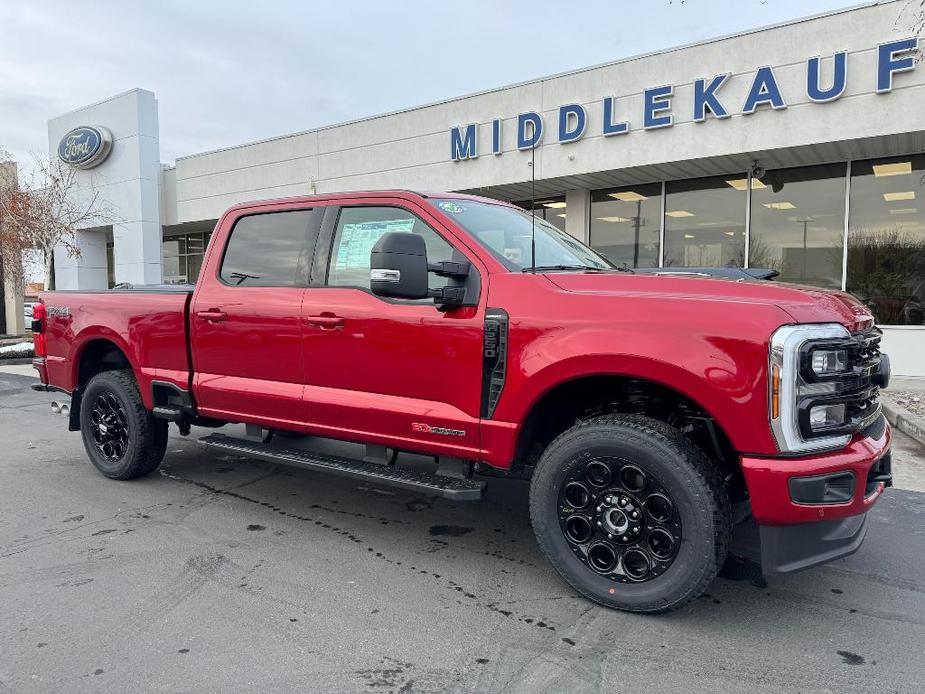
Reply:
x=326 y=321
x=213 y=315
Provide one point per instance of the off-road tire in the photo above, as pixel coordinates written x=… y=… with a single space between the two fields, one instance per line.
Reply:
x=693 y=481
x=146 y=435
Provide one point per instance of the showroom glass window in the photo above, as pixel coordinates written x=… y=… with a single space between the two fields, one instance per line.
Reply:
x=183 y=256
x=886 y=238
x=626 y=223
x=705 y=222
x=798 y=224
x=553 y=210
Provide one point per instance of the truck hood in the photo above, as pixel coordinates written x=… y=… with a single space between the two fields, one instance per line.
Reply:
x=803 y=304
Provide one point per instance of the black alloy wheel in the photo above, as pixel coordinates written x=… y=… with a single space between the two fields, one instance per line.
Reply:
x=630 y=513
x=109 y=425
x=618 y=520
x=122 y=438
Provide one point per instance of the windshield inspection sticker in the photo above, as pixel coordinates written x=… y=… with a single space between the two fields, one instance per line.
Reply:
x=451 y=207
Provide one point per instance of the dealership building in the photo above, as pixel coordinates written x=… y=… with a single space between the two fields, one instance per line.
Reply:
x=798 y=147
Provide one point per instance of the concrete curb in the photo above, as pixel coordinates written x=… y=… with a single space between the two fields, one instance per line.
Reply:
x=15 y=362
x=904 y=420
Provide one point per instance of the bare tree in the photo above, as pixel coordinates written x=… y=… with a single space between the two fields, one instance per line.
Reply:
x=911 y=17
x=10 y=243
x=47 y=210
x=918 y=19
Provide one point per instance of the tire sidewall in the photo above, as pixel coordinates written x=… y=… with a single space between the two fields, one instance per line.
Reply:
x=99 y=384
x=696 y=558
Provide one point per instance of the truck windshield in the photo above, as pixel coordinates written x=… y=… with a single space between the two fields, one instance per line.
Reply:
x=506 y=232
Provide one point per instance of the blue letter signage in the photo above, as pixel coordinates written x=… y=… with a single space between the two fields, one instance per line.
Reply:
x=839 y=81
x=463 y=145
x=611 y=128
x=535 y=136
x=655 y=101
x=764 y=91
x=705 y=98
x=570 y=121
x=888 y=61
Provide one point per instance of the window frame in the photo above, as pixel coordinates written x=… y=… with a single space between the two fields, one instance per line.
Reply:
x=321 y=264
x=307 y=248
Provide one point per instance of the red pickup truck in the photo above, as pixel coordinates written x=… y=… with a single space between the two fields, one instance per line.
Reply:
x=652 y=412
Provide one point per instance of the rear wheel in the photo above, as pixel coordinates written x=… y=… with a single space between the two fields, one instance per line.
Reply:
x=122 y=438
x=630 y=513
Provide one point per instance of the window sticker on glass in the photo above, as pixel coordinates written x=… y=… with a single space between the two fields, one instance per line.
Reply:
x=451 y=207
x=357 y=240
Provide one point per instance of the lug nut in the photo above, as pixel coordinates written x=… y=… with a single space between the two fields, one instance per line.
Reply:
x=622 y=502
x=634 y=514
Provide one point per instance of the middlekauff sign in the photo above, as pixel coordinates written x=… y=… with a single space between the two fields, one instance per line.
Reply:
x=709 y=102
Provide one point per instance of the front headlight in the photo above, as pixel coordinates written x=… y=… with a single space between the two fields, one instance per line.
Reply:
x=826 y=362
x=804 y=360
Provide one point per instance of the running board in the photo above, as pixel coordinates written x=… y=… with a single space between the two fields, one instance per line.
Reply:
x=394 y=476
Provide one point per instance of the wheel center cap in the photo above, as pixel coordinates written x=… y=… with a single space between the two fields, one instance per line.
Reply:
x=616 y=521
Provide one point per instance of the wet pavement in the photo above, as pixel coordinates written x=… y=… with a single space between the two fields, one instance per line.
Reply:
x=218 y=574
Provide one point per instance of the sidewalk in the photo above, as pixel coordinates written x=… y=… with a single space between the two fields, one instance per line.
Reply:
x=904 y=405
x=18 y=369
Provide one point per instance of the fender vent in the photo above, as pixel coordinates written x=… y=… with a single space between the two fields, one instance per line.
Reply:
x=494 y=360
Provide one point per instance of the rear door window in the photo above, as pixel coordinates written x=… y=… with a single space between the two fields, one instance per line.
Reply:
x=270 y=250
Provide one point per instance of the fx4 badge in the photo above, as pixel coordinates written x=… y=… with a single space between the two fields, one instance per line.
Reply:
x=428 y=429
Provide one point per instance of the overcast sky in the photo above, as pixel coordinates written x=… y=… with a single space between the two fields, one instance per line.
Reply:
x=226 y=73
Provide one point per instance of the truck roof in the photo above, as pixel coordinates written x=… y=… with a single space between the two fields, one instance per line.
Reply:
x=354 y=195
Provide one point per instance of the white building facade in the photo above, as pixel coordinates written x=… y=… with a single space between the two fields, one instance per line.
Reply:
x=797 y=147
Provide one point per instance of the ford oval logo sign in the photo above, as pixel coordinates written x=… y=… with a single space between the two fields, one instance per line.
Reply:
x=85 y=147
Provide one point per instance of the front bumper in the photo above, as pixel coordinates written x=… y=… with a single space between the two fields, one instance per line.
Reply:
x=769 y=489
x=795 y=535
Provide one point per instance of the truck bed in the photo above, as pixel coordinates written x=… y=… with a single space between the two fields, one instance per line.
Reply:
x=147 y=323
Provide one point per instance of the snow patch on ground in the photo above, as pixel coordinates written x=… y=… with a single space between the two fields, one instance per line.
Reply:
x=16 y=351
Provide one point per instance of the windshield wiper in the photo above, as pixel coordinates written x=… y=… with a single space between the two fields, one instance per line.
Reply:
x=582 y=268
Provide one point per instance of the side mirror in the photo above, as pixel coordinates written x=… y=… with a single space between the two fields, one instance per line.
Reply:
x=398 y=266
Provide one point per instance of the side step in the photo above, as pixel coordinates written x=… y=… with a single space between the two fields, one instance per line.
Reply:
x=394 y=476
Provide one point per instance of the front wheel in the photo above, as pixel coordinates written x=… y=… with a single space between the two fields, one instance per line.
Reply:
x=123 y=439
x=630 y=513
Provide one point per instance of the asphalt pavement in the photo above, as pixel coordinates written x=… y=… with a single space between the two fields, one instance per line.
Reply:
x=219 y=574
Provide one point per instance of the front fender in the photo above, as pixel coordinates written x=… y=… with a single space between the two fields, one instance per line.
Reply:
x=724 y=376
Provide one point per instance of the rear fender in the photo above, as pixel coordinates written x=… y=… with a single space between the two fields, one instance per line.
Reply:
x=99 y=332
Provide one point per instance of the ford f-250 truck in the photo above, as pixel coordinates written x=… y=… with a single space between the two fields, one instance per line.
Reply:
x=651 y=412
